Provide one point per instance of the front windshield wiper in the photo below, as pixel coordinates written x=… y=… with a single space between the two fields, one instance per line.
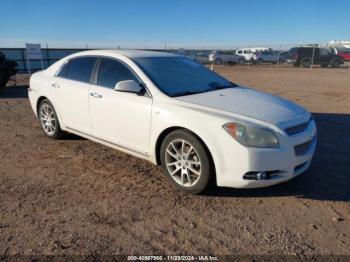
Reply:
x=217 y=86
x=213 y=86
x=186 y=93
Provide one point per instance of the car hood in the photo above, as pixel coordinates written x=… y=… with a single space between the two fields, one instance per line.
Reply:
x=247 y=102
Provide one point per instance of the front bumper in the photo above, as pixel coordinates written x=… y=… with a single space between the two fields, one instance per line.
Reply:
x=291 y=159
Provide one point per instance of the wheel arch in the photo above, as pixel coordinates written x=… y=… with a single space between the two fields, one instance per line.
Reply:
x=40 y=99
x=167 y=131
x=335 y=59
x=306 y=58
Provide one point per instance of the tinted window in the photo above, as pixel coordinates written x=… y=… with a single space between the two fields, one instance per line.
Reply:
x=293 y=51
x=80 y=68
x=63 y=71
x=112 y=71
x=307 y=51
x=324 y=51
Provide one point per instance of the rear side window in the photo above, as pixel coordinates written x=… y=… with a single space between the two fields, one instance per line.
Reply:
x=63 y=70
x=324 y=51
x=293 y=51
x=112 y=71
x=80 y=69
x=307 y=51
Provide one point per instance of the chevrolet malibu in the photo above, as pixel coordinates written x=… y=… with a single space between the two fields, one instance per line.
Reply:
x=174 y=112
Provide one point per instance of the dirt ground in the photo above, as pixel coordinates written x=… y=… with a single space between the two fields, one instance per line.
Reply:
x=75 y=196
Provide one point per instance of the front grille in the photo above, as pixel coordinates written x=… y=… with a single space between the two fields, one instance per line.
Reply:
x=293 y=130
x=303 y=148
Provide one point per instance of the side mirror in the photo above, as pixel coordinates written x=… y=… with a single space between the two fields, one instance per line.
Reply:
x=130 y=86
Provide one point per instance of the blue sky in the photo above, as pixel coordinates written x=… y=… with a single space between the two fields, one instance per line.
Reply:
x=180 y=23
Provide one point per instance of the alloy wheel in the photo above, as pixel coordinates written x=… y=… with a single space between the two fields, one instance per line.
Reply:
x=48 y=119
x=183 y=162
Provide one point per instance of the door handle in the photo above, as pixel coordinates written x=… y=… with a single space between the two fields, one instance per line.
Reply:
x=96 y=95
x=55 y=85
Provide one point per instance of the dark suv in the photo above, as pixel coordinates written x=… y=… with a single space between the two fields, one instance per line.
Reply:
x=322 y=56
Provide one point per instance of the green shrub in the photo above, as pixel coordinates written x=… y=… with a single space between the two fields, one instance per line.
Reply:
x=7 y=69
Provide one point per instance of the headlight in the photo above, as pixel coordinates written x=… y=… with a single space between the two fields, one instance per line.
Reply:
x=251 y=135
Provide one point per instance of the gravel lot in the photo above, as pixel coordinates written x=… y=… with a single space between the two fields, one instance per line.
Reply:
x=74 y=196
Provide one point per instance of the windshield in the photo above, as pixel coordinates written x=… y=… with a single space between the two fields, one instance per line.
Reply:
x=178 y=76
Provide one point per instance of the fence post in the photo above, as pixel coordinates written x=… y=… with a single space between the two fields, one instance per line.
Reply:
x=278 y=58
x=250 y=48
x=224 y=57
x=28 y=63
x=24 y=60
x=47 y=55
x=313 y=55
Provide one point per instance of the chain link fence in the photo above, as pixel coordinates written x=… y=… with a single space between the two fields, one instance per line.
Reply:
x=274 y=56
x=239 y=56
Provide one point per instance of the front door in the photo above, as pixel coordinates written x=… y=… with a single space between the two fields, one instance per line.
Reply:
x=120 y=118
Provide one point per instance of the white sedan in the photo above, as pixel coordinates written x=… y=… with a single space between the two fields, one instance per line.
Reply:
x=172 y=111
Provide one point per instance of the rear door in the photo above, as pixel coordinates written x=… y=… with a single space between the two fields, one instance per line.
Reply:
x=324 y=56
x=120 y=118
x=70 y=90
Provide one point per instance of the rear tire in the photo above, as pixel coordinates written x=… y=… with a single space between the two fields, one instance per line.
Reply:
x=186 y=161
x=49 y=120
x=306 y=63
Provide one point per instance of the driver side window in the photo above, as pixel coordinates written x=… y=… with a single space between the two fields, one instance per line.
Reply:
x=112 y=71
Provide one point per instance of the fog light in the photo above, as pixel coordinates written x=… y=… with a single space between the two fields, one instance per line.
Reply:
x=261 y=175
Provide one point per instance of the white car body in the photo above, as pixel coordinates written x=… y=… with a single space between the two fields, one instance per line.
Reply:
x=248 y=53
x=134 y=124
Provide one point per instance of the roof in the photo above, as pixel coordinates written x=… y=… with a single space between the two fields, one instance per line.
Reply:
x=128 y=53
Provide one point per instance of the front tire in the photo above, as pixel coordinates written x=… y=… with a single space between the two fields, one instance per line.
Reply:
x=186 y=161
x=336 y=63
x=49 y=120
